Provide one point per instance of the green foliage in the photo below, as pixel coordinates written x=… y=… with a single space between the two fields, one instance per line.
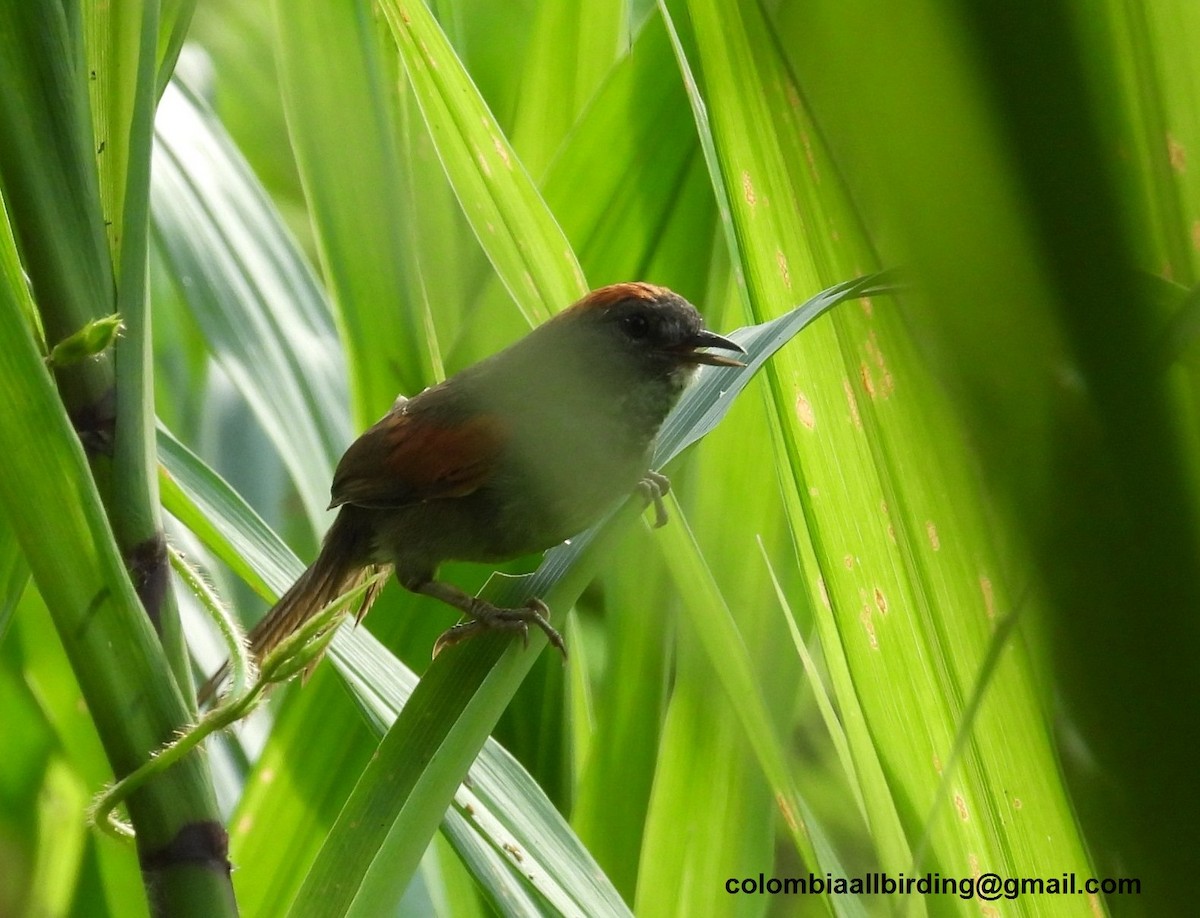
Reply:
x=926 y=602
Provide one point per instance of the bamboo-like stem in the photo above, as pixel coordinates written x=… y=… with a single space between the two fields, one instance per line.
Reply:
x=296 y=654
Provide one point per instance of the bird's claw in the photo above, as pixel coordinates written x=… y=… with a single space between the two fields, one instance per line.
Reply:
x=652 y=488
x=486 y=617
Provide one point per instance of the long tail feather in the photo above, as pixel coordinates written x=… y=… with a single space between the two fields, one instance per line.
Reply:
x=339 y=567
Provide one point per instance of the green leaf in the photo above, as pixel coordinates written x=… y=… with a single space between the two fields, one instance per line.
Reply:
x=14 y=575
x=201 y=500
x=634 y=148
x=571 y=50
x=250 y=289
x=524 y=243
x=903 y=576
x=365 y=199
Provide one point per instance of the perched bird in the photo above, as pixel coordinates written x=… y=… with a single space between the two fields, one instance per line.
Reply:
x=509 y=456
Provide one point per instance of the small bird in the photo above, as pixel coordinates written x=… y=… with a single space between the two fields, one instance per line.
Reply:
x=508 y=457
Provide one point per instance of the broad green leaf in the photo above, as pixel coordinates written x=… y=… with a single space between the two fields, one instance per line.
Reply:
x=265 y=318
x=14 y=575
x=206 y=505
x=362 y=195
x=572 y=48
x=899 y=587
x=524 y=243
x=174 y=17
x=649 y=211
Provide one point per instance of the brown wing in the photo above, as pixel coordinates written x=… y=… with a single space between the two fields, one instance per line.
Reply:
x=409 y=457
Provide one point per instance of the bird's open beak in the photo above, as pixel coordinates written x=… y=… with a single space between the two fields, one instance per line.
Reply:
x=706 y=338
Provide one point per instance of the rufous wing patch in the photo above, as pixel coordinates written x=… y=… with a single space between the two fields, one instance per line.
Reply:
x=409 y=458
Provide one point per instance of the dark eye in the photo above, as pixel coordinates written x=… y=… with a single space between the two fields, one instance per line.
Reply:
x=635 y=325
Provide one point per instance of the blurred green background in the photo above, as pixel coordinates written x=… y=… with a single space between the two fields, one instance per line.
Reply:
x=927 y=602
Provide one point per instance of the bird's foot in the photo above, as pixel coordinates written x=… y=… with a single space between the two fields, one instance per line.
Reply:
x=487 y=617
x=652 y=488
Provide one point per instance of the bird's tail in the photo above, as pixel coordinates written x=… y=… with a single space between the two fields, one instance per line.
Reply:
x=341 y=565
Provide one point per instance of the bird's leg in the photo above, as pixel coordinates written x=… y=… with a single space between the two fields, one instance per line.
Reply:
x=652 y=487
x=487 y=617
